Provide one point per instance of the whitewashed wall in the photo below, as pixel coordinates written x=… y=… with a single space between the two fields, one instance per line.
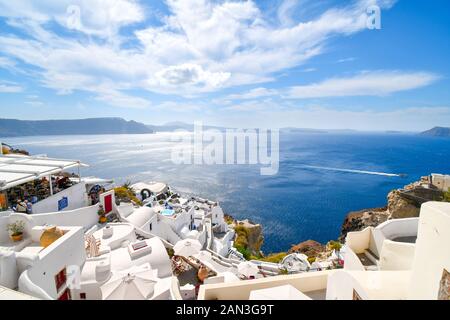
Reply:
x=76 y=195
x=432 y=254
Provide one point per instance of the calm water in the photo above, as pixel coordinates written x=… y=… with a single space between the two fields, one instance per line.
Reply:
x=307 y=199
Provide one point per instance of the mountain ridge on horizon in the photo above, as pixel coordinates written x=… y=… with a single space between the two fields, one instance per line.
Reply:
x=117 y=125
x=89 y=126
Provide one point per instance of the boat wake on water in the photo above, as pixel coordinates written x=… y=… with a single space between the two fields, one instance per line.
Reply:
x=357 y=171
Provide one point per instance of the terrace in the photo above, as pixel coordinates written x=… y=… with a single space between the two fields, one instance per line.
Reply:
x=26 y=181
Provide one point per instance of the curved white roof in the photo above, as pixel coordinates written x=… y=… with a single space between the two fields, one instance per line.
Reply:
x=19 y=169
x=140 y=216
x=155 y=188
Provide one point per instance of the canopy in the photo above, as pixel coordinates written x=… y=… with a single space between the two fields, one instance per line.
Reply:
x=203 y=255
x=137 y=283
x=18 y=169
x=187 y=248
x=286 y=292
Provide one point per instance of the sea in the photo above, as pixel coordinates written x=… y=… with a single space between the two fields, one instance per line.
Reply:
x=321 y=177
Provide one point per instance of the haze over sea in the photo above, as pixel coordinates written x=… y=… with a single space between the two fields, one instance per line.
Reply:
x=322 y=176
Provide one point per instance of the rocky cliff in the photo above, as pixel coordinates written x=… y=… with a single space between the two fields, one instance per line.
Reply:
x=402 y=203
x=249 y=238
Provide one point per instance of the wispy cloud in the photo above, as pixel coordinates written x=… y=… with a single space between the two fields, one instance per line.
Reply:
x=375 y=83
x=252 y=94
x=10 y=87
x=199 y=46
x=350 y=59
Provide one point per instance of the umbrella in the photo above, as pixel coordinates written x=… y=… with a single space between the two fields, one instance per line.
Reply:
x=286 y=292
x=248 y=269
x=132 y=284
x=203 y=255
x=187 y=247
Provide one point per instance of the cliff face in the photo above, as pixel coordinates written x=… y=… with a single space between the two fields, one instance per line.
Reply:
x=249 y=238
x=358 y=220
x=404 y=203
x=310 y=247
x=399 y=207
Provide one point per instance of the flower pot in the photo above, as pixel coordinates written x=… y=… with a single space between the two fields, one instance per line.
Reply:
x=102 y=219
x=17 y=237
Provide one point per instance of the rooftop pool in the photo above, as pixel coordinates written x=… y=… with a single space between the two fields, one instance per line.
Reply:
x=168 y=212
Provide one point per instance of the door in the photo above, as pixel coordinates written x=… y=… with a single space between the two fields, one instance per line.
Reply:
x=108 y=203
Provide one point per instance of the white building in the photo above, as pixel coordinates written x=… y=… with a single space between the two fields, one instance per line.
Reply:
x=441 y=181
x=52 y=190
x=64 y=269
x=407 y=259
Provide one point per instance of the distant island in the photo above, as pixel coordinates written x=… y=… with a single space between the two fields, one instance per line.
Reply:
x=93 y=126
x=437 y=132
x=178 y=125
x=18 y=128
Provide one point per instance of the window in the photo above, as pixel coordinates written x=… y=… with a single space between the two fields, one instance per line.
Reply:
x=150 y=226
x=60 y=279
x=83 y=296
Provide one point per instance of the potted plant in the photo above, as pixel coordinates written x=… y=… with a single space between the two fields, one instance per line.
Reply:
x=101 y=214
x=16 y=230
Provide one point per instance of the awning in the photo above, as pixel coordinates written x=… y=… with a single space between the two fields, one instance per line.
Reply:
x=17 y=169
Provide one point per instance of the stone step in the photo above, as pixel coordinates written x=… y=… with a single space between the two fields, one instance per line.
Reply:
x=371 y=256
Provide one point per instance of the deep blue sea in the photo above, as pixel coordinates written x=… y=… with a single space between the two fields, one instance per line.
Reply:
x=309 y=197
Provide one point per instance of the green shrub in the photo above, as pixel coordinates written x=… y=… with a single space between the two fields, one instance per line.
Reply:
x=274 y=257
x=126 y=194
x=284 y=271
x=170 y=252
x=228 y=219
x=245 y=252
x=311 y=260
x=334 y=245
x=241 y=237
x=447 y=196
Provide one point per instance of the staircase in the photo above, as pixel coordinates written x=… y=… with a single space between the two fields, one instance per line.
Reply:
x=369 y=259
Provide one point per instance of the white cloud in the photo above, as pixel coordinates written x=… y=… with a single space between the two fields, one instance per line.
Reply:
x=176 y=106
x=377 y=83
x=284 y=12
x=6 y=63
x=35 y=103
x=200 y=46
x=10 y=87
x=120 y=99
x=191 y=74
x=253 y=94
x=94 y=17
x=350 y=59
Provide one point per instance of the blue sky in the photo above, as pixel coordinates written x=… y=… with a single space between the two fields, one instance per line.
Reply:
x=302 y=63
